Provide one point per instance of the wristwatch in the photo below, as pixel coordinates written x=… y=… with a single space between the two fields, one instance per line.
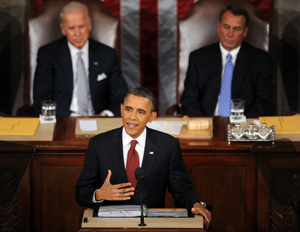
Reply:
x=203 y=203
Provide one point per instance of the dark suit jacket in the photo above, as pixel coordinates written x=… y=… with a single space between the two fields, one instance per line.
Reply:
x=251 y=81
x=165 y=168
x=54 y=78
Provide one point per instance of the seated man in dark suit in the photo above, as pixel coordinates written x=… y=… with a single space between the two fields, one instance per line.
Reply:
x=209 y=85
x=107 y=178
x=83 y=76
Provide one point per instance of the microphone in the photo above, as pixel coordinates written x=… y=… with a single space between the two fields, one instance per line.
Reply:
x=139 y=173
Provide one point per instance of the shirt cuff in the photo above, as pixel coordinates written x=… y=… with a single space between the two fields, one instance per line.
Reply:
x=203 y=203
x=94 y=198
x=107 y=113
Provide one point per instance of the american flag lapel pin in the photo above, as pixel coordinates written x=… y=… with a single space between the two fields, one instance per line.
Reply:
x=95 y=63
x=151 y=152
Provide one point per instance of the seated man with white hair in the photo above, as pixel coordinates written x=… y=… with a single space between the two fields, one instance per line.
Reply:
x=82 y=75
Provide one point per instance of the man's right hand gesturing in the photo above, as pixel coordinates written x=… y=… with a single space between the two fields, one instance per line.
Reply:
x=118 y=192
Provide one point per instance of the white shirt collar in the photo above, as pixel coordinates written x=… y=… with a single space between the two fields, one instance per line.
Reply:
x=74 y=50
x=234 y=52
x=127 y=138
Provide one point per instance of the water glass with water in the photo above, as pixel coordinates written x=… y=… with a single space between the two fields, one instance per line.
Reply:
x=48 y=109
x=237 y=108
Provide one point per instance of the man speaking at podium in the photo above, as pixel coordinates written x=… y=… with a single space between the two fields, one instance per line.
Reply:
x=108 y=177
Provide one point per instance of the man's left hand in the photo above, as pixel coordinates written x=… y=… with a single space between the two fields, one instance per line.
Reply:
x=200 y=209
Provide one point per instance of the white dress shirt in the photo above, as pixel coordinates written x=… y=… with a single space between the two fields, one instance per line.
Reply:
x=85 y=58
x=139 y=147
x=234 y=52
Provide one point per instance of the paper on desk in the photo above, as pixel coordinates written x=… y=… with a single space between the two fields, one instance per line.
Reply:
x=283 y=125
x=120 y=211
x=165 y=212
x=18 y=126
x=175 y=128
x=135 y=211
x=88 y=125
x=256 y=122
x=157 y=125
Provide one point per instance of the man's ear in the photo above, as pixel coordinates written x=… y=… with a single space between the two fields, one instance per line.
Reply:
x=90 y=25
x=152 y=116
x=218 y=26
x=246 y=31
x=62 y=29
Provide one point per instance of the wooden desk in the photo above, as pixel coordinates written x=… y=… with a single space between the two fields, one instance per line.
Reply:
x=161 y=224
x=223 y=175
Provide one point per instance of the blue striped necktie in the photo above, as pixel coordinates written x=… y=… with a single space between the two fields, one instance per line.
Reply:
x=225 y=94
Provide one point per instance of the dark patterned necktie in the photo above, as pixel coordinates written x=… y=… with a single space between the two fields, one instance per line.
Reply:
x=132 y=163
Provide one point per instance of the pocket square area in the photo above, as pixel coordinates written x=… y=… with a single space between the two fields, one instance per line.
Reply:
x=101 y=77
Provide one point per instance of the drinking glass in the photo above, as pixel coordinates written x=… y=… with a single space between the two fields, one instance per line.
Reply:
x=237 y=108
x=48 y=109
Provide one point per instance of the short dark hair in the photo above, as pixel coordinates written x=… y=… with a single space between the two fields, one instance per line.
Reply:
x=235 y=10
x=143 y=92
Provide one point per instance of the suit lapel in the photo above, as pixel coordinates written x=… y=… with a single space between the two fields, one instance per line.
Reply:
x=240 y=69
x=66 y=65
x=216 y=70
x=95 y=64
x=150 y=154
x=116 y=156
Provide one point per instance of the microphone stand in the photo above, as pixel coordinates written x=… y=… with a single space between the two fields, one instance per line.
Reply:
x=142 y=208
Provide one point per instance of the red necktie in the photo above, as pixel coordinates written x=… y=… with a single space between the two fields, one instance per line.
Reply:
x=132 y=163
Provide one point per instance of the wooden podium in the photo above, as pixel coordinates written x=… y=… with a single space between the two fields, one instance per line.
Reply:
x=162 y=224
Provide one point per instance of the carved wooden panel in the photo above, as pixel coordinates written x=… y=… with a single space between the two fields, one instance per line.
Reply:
x=284 y=188
x=60 y=209
x=15 y=216
x=8 y=187
x=226 y=188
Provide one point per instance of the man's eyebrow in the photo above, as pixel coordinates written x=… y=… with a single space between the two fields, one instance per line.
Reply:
x=129 y=107
x=142 y=110
x=232 y=26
